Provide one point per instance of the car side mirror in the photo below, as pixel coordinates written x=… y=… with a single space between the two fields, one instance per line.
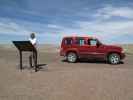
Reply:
x=98 y=44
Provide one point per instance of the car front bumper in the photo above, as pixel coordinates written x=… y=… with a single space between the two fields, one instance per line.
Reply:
x=123 y=55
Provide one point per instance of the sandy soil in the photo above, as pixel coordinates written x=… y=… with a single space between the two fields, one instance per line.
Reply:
x=59 y=80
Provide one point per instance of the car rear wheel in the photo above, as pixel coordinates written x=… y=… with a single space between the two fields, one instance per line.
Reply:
x=114 y=58
x=71 y=57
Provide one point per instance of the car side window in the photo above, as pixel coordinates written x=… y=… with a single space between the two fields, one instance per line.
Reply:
x=80 y=41
x=92 y=42
x=68 y=41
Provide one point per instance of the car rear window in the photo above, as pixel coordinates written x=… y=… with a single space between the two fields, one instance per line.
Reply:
x=68 y=41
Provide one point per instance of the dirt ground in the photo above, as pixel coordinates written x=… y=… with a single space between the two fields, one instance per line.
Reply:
x=59 y=80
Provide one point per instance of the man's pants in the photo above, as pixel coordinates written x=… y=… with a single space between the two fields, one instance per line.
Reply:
x=33 y=59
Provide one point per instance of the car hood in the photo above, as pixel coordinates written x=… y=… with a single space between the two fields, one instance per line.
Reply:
x=113 y=47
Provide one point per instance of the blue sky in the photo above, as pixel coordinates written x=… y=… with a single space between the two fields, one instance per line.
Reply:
x=109 y=20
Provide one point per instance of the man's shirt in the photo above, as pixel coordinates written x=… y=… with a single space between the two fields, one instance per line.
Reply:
x=33 y=41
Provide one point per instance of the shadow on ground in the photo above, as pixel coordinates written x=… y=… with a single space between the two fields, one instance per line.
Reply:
x=41 y=67
x=91 y=61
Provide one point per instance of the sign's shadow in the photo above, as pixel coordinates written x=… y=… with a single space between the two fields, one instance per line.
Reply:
x=40 y=67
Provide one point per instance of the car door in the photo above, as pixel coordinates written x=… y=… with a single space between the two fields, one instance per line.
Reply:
x=81 y=46
x=95 y=49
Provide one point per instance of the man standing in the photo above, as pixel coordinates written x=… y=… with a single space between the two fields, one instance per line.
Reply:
x=33 y=56
x=32 y=39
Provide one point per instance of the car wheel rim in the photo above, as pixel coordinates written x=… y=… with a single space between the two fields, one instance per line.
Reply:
x=114 y=59
x=71 y=58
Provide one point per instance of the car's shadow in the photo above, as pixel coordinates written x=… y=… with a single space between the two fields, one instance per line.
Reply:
x=91 y=61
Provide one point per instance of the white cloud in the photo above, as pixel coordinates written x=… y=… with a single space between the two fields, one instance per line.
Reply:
x=104 y=26
x=12 y=28
x=106 y=30
x=54 y=26
x=110 y=11
x=113 y=27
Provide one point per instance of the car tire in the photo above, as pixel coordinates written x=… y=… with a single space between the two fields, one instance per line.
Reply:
x=71 y=57
x=114 y=58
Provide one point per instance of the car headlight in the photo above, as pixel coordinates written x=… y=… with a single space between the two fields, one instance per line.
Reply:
x=123 y=51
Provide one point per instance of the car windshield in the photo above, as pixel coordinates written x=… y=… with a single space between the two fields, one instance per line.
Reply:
x=99 y=42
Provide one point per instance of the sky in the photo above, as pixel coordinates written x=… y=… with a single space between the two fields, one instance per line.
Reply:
x=111 y=21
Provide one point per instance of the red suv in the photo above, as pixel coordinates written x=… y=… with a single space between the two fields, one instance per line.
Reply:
x=74 y=48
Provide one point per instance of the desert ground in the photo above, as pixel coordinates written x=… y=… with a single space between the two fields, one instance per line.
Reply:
x=59 y=80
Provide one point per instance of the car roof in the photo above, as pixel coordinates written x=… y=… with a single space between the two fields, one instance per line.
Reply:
x=87 y=37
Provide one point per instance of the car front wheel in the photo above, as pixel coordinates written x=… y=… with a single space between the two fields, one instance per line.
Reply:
x=72 y=57
x=114 y=58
